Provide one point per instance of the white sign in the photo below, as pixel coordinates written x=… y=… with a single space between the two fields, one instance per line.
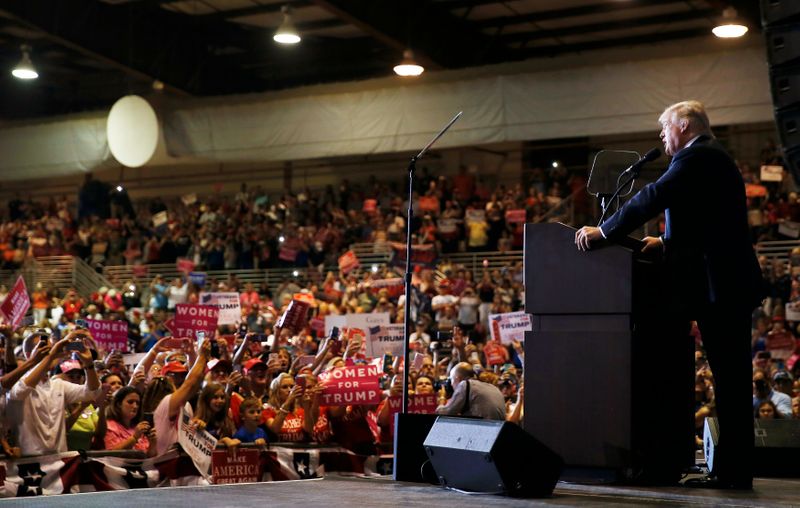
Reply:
x=198 y=444
x=510 y=326
x=385 y=339
x=771 y=173
x=229 y=305
x=362 y=321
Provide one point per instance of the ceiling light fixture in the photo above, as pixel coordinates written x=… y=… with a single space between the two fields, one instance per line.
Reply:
x=408 y=67
x=286 y=33
x=730 y=26
x=24 y=69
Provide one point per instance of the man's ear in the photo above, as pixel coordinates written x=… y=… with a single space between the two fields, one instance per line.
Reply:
x=684 y=125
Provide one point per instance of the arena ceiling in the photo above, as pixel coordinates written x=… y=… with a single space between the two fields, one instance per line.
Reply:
x=91 y=52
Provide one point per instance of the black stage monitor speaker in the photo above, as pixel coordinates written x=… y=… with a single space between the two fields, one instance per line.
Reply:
x=783 y=44
x=777 y=447
x=491 y=456
x=785 y=84
x=410 y=460
x=789 y=127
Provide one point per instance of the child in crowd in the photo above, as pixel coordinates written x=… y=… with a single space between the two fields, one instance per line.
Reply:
x=251 y=430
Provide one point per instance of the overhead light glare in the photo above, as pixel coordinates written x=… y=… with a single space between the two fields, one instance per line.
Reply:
x=24 y=69
x=287 y=32
x=408 y=67
x=730 y=26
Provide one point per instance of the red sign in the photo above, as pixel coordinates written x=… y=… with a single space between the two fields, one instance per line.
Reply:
x=140 y=270
x=356 y=385
x=423 y=254
x=192 y=318
x=241 y=466
x=295 y=317
x=287 y=254
x=348 y=262
x=185 y=265
x=395 y=286
x=495 y=353
x=370 y=206
x=109 y=334
x=418 y=404
x=16 y=303
x=516 y=216
x=429 y=204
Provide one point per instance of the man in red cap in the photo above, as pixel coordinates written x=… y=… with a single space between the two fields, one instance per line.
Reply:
x=176 y=371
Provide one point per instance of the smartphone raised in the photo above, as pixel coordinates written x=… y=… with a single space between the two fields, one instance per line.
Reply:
x=75 y=345
x=148 y=417
x=173 y=343
x=301 y=382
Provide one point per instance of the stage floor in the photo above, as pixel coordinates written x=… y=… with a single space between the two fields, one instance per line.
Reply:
x=341 y=491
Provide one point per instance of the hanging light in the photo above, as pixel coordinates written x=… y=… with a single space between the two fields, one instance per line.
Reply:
x=408 y=67
x=286 y=33
x=730 y=26
x=24 y=69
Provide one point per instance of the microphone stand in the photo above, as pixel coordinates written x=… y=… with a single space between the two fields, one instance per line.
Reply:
x=412 y=166
x=606 y=204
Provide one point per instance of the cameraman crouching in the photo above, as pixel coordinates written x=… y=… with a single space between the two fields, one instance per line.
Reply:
x=472 y=397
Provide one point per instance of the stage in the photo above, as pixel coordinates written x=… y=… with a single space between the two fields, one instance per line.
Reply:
x=338 y=490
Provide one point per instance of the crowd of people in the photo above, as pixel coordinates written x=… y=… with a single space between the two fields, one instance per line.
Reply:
x=260 y=383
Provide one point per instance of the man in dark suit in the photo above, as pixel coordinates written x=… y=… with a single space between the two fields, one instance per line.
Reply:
x=713 y=273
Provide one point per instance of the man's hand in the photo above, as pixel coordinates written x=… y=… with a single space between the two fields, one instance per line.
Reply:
x=652 y=243
x=586 y=235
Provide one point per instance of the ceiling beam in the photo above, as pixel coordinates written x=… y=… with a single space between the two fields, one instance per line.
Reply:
x=608 y=26
x=571 y=12
x=438 y=39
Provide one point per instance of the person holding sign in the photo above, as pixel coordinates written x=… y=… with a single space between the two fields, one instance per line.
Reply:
x=165 y=416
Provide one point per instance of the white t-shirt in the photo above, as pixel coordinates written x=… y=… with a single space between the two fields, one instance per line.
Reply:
x=39 y=413
x=166 y=427
x=442 y=300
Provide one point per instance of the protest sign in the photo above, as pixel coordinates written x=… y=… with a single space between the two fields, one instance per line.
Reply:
x=109 y=334
x=198 y=444
x=510 y=326
x=385 y=339
x=418 y=404
x=241 y=466
x=394 y=286
x=352 y=385
x=191 y=318
x=228 y=304
x=16 y=303
x=132 y=360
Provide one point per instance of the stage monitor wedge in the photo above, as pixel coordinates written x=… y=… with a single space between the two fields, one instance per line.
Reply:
x=492 y=457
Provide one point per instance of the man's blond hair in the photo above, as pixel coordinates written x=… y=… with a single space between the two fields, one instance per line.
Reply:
x=692 y=111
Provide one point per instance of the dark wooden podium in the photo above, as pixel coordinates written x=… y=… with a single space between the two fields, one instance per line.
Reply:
x=609 y=372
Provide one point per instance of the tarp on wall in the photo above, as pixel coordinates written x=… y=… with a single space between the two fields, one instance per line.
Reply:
x=612 y=98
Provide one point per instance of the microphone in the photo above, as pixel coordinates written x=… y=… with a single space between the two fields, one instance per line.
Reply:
x=652 y=155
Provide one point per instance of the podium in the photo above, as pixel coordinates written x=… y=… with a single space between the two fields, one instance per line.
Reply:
x=609 y=371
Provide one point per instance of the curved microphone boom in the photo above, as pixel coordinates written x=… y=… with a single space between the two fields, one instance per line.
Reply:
x=652 y=155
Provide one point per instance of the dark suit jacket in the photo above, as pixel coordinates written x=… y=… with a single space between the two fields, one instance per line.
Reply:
x=708 y=252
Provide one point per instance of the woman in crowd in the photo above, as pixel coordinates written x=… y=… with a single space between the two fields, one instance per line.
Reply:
x=767 y=411
x=284 y=415
x=126 y=429
x=213 y=414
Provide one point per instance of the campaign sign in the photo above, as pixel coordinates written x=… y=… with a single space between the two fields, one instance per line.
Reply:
x=355 y=385
x=295 y=316
x=241 y=466
x=348 y=262
x=510 y=326
x=198 y=444
x=109 y=334
x=364 y=321
x=418 y=404
x=385 y=339
x=229 y=305
x=191 y=318
x=184 y=265
x=198 y=279
x=139 y=270
x=516 y=216
x=16 y=303
x=495 y=353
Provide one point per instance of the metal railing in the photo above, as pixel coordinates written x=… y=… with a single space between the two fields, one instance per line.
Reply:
x=64 y=272
x=777 y=249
